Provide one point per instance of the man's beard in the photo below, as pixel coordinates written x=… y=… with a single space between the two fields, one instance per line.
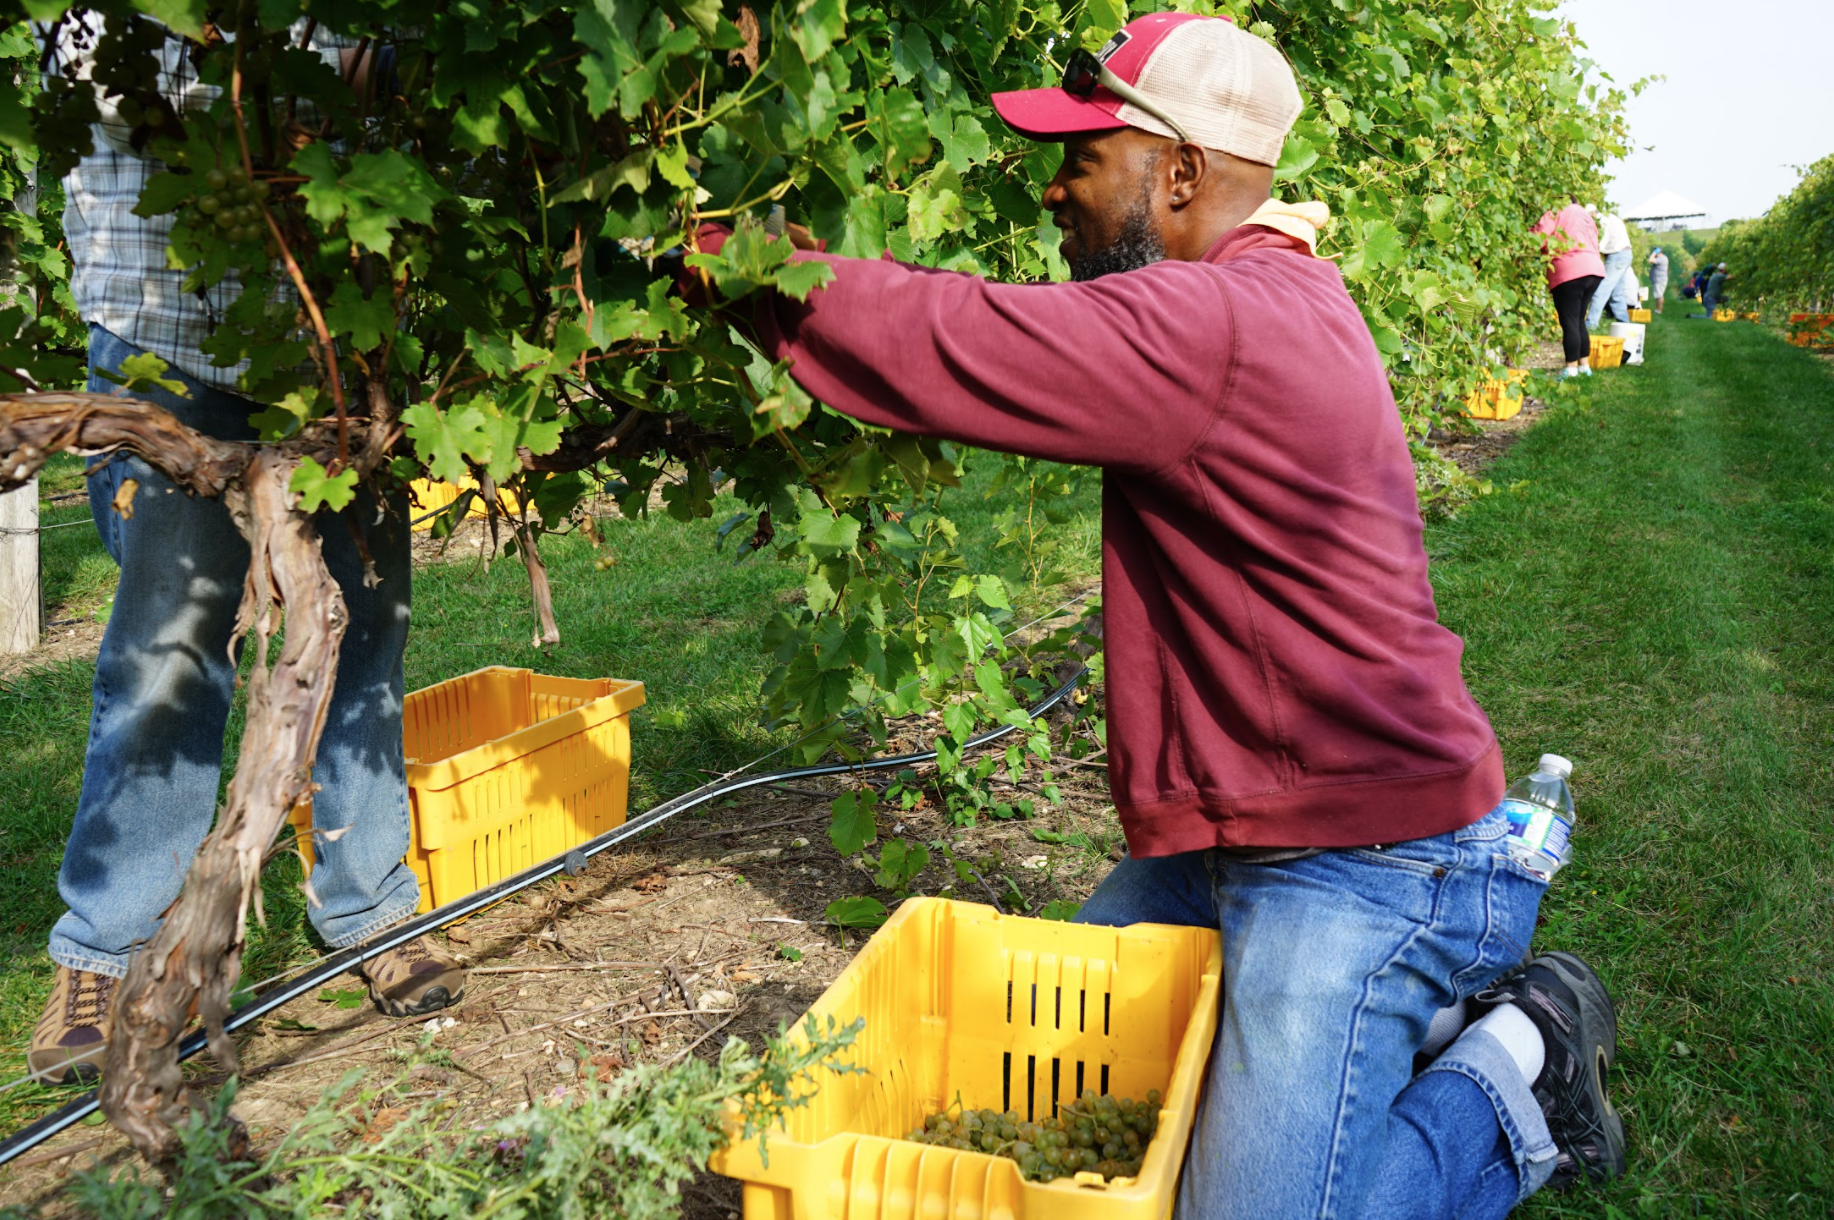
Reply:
x=1137 y=245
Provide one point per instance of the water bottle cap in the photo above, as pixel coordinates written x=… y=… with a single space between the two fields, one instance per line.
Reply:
x=1555 y=765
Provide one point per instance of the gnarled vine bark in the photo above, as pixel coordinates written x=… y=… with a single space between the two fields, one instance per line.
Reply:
x=197 y=953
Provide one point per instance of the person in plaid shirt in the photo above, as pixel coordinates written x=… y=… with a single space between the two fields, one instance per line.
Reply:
x=164 y=677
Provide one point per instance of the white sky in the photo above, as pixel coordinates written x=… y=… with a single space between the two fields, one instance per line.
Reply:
x=1750 y=93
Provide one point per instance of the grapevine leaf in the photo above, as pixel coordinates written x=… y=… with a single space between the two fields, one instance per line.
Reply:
x=853 y=825
x=856 y=913
x=896 y=119
x=992 y=592
x=185 y=16
x=316 y=489
x=830 y=533
x=819 y=25
x=505 y=434
x=146 y=369
x=365 y=319
x=444 y=438
x=164 y=193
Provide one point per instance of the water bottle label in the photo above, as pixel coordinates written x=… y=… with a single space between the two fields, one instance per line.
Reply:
x=1538 y=829
x=1555 y=844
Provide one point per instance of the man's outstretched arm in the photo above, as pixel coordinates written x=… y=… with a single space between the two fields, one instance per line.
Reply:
x=1126 y=371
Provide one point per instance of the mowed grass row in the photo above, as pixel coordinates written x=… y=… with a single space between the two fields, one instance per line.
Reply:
x=1651 y=596
x=656 y=601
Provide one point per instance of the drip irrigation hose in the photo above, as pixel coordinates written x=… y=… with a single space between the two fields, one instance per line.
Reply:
x=570 y=861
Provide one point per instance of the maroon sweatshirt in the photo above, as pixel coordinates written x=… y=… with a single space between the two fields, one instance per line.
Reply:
x=1277 y=674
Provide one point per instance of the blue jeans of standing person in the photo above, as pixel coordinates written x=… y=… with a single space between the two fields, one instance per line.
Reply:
x=1333 y=966
x=1617 y=266
x=163 y=685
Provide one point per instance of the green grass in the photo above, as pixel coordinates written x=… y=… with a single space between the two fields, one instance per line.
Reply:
x=1652 y=598
x=671 y=610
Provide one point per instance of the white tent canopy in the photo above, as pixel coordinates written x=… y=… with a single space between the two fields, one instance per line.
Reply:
x=1664 y=210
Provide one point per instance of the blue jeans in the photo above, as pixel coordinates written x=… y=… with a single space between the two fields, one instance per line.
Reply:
x=1333 y=966
x=163 y=685
x=1612 y=290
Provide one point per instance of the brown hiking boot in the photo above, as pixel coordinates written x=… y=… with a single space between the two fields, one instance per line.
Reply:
x=71 y=1037
x=414 y=980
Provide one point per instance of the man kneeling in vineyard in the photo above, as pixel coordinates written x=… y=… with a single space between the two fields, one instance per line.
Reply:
x=1295 y=758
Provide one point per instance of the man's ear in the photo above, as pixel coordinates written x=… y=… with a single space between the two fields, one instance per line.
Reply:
x=1186 y=168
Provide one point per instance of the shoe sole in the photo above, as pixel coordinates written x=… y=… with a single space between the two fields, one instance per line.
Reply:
x=432 y=1000
x=1595 y=1010
x=84 y=1072
x=1595 y=1006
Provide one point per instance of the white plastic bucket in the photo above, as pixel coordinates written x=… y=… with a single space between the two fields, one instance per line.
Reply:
x=1632 y=335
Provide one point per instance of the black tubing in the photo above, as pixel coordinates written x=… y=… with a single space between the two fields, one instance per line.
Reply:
x=73 y=1112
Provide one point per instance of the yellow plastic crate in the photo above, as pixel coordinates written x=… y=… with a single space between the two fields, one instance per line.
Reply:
x=429 y=496
x=1812 y=330
x=1607 y=353
x=1641 y=315
x=1725 y=315
x=1753 y=316
x=506 y=768
x=964 y=1003
x=1498 y=399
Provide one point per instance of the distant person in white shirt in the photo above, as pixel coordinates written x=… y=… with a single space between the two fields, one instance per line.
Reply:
x=1614 y=247
x=1658 y=276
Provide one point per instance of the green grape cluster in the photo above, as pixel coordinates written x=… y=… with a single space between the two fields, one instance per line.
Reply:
x=1094 y=1134
x=230 y=200
x=125 y=67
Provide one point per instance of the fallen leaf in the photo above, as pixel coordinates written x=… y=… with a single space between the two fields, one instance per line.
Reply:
x=459 y=935
x=744 y=976
x=124 y=498
x=650 y=884
x=381 y=1121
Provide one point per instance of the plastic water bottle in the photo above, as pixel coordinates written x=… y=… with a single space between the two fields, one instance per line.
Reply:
x=1539 y=807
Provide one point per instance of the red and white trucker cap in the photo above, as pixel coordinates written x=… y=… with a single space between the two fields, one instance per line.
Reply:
x=1226 y=88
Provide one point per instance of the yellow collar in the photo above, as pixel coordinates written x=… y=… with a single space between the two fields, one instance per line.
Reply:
x=1299 y=220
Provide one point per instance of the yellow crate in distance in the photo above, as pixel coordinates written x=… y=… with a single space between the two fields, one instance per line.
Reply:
x=506 y=768
x=1724 y=315
x=964 y=1003
x=1641 y=315
x=1498 y=399
x=429 y=496
x=1607 y=353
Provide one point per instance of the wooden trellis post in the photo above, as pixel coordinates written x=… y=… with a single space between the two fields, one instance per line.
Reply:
x=22 y=607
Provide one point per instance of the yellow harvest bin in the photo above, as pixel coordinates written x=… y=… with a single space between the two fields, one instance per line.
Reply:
x=429 y=496
x=1812 y=330
x=1607 y=353
x=506 y=768
x=1498 y=399
x=1753 y=316
x=1725 y=315
x=1641 y=315
x=963 y=1003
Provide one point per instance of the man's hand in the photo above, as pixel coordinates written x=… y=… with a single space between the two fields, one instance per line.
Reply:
x=802 y=239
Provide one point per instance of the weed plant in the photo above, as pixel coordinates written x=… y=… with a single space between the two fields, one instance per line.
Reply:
x=619 y=1149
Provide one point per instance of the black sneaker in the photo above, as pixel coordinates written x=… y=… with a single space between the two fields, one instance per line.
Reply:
x=1568 y=1003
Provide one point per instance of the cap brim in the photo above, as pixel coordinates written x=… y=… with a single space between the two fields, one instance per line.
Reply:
x=1046 y=114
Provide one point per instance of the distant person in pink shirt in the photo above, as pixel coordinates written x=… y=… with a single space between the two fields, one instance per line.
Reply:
x=1574 y=272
